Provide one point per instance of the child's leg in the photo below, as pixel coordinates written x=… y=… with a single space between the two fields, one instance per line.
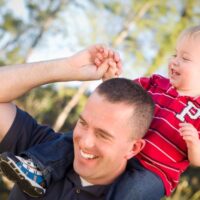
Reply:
x=46 y=162
x=24 y=173
x=137 y=183
x=54 y=157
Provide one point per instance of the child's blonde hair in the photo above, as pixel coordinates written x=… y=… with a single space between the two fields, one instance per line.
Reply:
x=192 y=32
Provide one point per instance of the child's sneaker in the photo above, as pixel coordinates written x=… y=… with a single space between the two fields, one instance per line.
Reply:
x=24 y=173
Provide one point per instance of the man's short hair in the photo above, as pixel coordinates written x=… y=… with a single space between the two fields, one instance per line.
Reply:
x=122 y=90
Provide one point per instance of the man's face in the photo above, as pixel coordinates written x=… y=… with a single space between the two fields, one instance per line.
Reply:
x=102 y=140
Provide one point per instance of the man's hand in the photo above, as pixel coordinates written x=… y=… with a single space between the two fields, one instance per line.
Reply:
x=89 y=64
x=94 y=62
x=191 y=137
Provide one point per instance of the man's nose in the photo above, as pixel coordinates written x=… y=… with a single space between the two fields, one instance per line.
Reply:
x=88 y=141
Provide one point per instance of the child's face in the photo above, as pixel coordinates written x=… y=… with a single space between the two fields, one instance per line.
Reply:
x=184 y=67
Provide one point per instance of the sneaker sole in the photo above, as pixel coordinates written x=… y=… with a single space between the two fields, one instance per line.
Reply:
x=10 y=171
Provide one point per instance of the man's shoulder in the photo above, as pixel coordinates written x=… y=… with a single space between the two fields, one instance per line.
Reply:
x=67 y=188
x=25 y=132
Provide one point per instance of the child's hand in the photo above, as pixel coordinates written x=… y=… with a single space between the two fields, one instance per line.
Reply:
x=93 y=63
x=112 y=72
x=191 y=137
x=111 y=59
x=189 y=134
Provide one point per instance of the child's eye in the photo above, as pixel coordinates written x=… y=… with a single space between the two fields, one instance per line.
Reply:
x=185 y=59
x=174 y=55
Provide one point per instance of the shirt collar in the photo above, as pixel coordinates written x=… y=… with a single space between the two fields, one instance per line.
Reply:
x=165 y=84
x=96 y=190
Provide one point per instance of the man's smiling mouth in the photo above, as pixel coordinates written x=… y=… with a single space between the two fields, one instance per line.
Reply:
x=87 y=155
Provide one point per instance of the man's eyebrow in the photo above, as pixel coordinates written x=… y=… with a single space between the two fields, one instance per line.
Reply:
x=105 y=133
x=102 y=131
x=82 y=118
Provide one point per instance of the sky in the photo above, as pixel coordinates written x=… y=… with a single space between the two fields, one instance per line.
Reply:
x=63 y=45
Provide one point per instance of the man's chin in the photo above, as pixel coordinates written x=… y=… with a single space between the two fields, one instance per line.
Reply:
x=80 y=169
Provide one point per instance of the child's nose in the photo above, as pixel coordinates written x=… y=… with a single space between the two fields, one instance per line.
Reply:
x=175 y=61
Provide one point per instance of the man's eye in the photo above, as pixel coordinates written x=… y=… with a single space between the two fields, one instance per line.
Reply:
x=102 y=136
x=82 y=123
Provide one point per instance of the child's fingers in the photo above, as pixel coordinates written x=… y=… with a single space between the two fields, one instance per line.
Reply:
x=98 y=48
x=187 y=128
x=119 y=66
x=97 y=61
x=109 y=75
x=110 y=53
x=100 y=53
x=114 y=71
x=189 y=139
x=185 y=124
x=189 y=135
x=116 y=67
x=188 y=132
x=116 y=56
x=112 y=63
x=103 y=50
x=100 y=56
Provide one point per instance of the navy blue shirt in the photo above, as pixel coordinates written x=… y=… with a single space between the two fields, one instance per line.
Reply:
x=24 y=133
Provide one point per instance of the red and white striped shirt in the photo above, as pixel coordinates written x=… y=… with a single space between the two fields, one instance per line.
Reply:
x=165 y=152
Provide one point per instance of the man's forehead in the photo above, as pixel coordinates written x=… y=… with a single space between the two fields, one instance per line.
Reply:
x=100 y=110
x=98 y=99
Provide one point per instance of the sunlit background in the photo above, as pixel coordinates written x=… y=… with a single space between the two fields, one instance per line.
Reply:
x=144 y=32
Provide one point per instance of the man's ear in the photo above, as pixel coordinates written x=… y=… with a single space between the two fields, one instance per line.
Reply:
x=137 y=146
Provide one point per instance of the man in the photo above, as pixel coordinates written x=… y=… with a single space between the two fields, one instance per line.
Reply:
x=107 y=134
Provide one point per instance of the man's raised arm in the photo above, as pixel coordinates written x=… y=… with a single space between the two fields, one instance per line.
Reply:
x=15 y=80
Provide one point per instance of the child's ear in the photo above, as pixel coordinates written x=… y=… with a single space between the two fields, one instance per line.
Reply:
x=137 y=146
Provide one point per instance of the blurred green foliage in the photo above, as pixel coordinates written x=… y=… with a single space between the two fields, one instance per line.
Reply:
x=45 y=104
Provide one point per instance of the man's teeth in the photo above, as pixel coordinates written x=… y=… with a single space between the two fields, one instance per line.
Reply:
x=87 y=156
